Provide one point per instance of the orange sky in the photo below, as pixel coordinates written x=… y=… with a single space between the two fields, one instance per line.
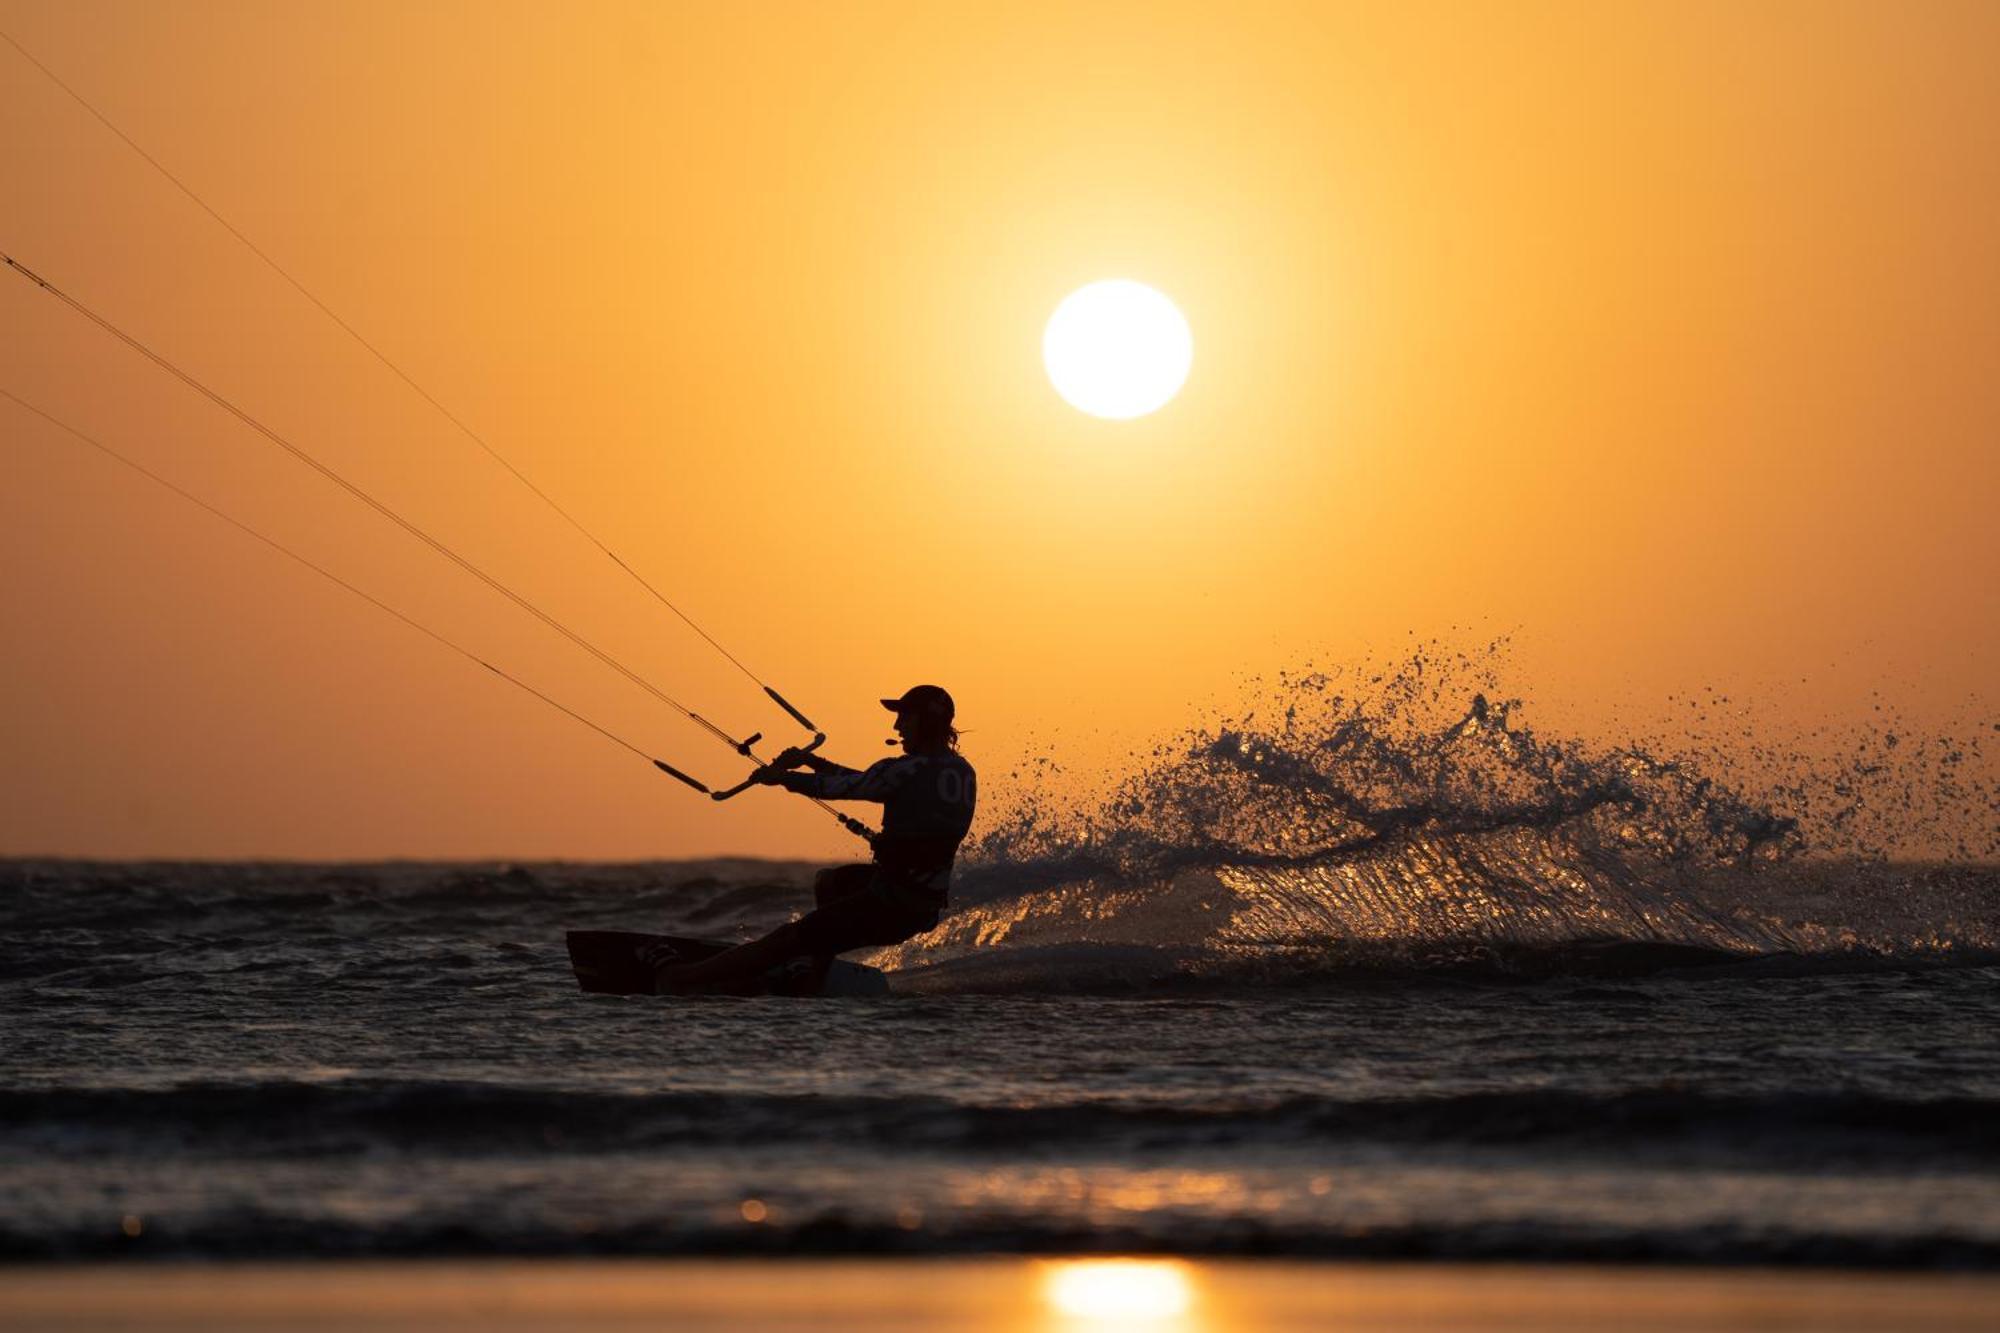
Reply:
x=1663 y=337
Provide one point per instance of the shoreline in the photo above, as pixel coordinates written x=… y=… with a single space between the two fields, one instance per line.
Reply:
x=989 y=1294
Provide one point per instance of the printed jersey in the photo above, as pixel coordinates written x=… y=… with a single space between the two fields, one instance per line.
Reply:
x=927 y=802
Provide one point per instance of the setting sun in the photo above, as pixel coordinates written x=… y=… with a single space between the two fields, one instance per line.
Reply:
x=1117 y=349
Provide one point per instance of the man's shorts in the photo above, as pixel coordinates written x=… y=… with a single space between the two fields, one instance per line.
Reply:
x=855 y=911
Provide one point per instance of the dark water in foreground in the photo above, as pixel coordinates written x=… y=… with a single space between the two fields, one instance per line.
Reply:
x=311 y=1061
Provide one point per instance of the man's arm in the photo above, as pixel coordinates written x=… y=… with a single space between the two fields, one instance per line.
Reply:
x=796 y=758
x=830 y=782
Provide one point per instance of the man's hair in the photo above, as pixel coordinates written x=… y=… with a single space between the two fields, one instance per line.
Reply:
x=930 y=730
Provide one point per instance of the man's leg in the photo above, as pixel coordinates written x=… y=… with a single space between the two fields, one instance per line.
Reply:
x=740 y=971
x=831 y=885
x=847 y=915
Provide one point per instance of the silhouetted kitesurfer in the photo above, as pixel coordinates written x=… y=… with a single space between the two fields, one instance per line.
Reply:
x=927 y=796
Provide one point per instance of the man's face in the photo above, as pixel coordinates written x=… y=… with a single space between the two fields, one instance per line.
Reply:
x=906 y=725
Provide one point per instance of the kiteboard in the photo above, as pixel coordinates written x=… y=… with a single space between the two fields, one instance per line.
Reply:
x=622 y=962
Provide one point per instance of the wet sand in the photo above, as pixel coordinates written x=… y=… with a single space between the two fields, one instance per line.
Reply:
x=985 y=1296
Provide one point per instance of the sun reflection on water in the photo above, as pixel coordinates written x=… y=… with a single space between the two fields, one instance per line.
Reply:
x=1119 y=1293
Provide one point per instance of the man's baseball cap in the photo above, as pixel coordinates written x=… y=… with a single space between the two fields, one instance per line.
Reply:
x=928 y=701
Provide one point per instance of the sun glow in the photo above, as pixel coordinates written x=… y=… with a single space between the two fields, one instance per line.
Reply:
x=1117 y=349
x=1127 y=1290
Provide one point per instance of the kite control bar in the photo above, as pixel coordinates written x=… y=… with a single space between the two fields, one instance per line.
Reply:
x=743 y=747
x=848 y=822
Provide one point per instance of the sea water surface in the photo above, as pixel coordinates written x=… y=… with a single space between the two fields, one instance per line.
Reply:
x=1353 y=980
x=394 y=1060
